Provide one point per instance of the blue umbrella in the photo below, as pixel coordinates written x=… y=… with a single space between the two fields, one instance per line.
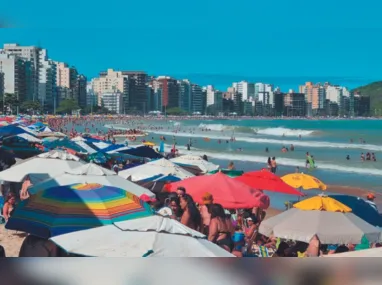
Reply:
x=360 y=208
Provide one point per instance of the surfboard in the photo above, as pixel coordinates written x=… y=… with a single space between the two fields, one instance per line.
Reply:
x=311 y=163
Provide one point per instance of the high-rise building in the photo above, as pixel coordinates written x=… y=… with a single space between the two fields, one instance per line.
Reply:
x=1 y=84
x=113 y=101
x=47 y=88
x=196 y=99
x=294 y=104
x=111 y=81
x=80 y=92
x=14 y=70
x=185 y=96
x=262 y=91
x=33 y=55
x=170 y=91
x=279 y=103
x=91 y=98
x=214 y=99
x=136 y=98
x=246 y=89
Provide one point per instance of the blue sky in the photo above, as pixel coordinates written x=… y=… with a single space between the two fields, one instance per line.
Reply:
x=206 y=39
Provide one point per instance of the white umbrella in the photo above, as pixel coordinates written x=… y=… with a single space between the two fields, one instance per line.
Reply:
x=330 y=227
x=91 y=173
x=29 y=138
x=371 y=252
x=153 y=168
x=195 y=160
x=38 y=169
x=59 y=154
x=154 y=236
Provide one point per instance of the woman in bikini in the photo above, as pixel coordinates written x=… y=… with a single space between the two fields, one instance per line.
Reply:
x=219 y=232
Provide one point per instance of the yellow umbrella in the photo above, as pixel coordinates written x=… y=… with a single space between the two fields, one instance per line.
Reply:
x=149 y=143
x=322 y=203
x=304 y=181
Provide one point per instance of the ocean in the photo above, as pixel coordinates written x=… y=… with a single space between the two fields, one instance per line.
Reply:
x=329 y=141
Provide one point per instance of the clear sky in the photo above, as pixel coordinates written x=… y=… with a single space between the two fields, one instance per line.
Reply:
x=214 y=40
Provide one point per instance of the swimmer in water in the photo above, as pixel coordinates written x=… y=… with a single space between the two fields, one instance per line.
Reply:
x=348 y=157
x=266 y=150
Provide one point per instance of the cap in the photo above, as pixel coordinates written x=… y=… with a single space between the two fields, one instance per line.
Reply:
x=370 y=196
x=207 y=198
x=147 y=199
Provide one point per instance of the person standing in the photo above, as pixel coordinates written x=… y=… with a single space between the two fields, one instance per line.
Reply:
x=205 y=212
x=273 y=165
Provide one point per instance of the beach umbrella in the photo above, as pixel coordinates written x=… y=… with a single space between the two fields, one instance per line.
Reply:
x=64 y=209
x=266 y=180
x=149 y=144
x=91 y=173
x=304 y=181
x=371 y=252
x=7 y=159
x=322 y=203
x=228 y=172
x=204 y=166
x=143 y=151
x=228 y=192
x=360 y=208
x=152 y=168
x=330 y=227
x=154 y=236
x=39 y=168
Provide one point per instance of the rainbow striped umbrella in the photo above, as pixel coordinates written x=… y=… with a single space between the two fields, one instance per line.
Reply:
x=65 y=209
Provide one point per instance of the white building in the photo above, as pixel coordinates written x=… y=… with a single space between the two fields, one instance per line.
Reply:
x=113 y=101
x=214 y=98
x=47 y=82
x=246 y=89
x=334 y=94
x=91 y=98
x=31 y=54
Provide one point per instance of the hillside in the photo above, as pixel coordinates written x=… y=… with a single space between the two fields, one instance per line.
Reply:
x=374 y=90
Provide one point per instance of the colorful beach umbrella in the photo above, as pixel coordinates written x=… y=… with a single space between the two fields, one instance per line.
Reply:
x=304 y=181
x=149 y=144
x=228 y=192
x=322 y=203
x=266 y=180
x=360 y=208
x=65 y=209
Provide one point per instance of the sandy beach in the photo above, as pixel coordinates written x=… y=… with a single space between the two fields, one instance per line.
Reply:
x=12 y=240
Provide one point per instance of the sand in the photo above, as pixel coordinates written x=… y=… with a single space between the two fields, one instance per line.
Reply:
x=12 y=240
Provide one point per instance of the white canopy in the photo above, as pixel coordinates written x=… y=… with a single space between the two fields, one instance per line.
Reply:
x=59 y=154
x=154 y=236
x=38 y=169
x=330 y=227
x=91 y=173
x=78 y=139
x=371 y=252
x=29 y=138
x=152 y=168
x=195 y=160
x=101 y=145
x=85 y=146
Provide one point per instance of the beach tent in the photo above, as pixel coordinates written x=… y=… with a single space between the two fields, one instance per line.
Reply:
x=7 y=159
x=143 y=151
x=195 y=160
x=29 y=138
x=152 y=168
x=64 y=143
x=91 y=173
x=154 y=236
x=40 y=168
x=330 y=227
x=12 y=130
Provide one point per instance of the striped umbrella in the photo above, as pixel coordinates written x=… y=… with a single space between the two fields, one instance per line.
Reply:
x=65 y=209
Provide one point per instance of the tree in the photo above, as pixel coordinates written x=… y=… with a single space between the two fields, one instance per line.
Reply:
x=175 y=111
x=11 y=102
x=30 y=106
x=67 y=106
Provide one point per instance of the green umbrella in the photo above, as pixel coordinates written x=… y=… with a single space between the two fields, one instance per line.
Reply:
x=230 y=173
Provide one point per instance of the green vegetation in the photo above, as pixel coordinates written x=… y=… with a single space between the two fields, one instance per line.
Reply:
x=374 y=90
x=30 y=107
x=10 y=102
x=67 y=106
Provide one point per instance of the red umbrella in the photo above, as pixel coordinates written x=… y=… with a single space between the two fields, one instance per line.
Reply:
x=231 y=194
x=265 y=180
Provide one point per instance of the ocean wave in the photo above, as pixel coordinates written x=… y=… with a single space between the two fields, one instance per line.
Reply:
x=279 y=131
x=265 y=141
x=281 y=161
x=283 y=131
